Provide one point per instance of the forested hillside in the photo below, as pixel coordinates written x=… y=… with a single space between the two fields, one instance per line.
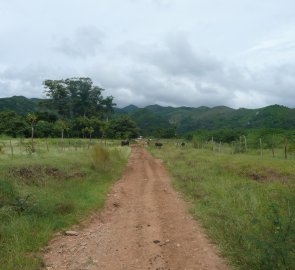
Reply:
x=19 y=104
x=187 y=119
x=166 y=121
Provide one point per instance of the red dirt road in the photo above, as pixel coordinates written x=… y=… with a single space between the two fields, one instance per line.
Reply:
x=144 y=225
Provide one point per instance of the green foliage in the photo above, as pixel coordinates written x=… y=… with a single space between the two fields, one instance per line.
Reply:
x=122 y=128
x=151 y=123
x=12 y=124
x=19 y=104
x=100 y=156
x=31 y=119
x=187 y=119
x=77 y=97
x=276 y=243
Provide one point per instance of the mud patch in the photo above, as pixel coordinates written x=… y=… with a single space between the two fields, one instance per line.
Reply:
x=34 y=171
x=269 y=175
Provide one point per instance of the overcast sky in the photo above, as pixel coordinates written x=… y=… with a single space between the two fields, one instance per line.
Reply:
x=238 y=53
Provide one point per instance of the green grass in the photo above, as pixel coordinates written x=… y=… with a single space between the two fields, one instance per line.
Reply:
x=45 y=192
x=246 y=203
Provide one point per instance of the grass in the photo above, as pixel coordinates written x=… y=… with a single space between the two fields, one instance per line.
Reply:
x=45 y=192
x=245 y=202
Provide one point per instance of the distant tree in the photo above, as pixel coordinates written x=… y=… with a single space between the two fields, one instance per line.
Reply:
x=32 y=120
x=13 y=124
x=122 y=128
x=77 y=97
x=59 y=96
x=108 y=107
x=63 y=126
x=89 y=130
x=46 y=116
x=44 y=129
x=165 y=133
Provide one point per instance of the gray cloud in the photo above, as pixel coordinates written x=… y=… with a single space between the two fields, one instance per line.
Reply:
x=153 y=51
x=85 y=43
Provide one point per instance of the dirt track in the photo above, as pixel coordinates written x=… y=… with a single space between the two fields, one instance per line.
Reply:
x=144 y=225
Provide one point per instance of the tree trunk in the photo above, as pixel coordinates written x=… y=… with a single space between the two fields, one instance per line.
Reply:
x=62 y=139
x=286 y=147
x=11 y=148
x=272 y=147
x=33 y=147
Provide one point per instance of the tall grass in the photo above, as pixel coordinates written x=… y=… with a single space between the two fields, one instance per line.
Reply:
x=245 y=202
x=45 y=192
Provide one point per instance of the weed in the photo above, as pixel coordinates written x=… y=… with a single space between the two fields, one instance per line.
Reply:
x=1 y=149
x=100 y=156
x=252 y=222
x=22 y=204
x=58 y=198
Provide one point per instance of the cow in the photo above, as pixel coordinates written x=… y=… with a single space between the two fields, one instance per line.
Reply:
x=182 y=144
x=158 y=145
x=124 y=142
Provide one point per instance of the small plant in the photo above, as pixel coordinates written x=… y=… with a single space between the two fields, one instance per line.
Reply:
x=100 y=156
x=22 y=204
x=277 y=242
x=1 y=149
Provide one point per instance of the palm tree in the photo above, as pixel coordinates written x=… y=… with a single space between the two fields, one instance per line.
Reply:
x=32 y=120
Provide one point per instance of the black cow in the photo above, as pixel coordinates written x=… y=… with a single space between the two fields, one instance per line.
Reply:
x=182 y=144
x=158 y=145
x=125 y=142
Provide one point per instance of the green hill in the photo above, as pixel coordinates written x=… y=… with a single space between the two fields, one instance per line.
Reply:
x=182 y=119
x=186 y=119
x=19 y=104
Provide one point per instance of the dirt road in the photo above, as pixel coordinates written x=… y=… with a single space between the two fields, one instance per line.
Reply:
x=145 y=225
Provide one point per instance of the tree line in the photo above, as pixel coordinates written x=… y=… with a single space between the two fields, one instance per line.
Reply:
x=75 y=107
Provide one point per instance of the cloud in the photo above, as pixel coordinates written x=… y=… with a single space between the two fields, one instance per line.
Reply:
x=84 y=43
x=160 y=51
x=171 y=72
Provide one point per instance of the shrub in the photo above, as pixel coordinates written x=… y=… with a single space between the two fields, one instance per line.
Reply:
x=100 y=156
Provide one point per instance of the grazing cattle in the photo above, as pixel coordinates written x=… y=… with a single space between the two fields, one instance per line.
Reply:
x=182 y=144
x=124 y=142
x=158 y=145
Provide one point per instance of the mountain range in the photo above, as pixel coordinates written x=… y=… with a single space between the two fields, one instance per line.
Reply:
x=184 y=119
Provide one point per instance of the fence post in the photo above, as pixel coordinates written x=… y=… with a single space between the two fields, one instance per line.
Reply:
x=11 y=148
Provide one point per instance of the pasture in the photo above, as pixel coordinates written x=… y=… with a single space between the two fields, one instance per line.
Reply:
x=50 y=189
x=245 y=201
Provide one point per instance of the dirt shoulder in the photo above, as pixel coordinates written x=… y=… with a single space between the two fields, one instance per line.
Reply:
x=144 y=225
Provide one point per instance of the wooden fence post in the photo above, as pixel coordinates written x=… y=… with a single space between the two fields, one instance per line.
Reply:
x=11 y=148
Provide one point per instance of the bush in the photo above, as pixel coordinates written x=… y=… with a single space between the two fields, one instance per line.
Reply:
x=100 y=156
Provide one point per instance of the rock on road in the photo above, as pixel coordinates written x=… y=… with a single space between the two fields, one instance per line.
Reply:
x=144 y=225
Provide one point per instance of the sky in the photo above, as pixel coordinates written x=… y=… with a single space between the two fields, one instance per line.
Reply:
x=167 y=52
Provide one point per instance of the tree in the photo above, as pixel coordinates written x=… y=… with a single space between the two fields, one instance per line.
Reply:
x=77 y=97
x=62 y=125
x=108 y=107
x=122 y=128
x=12 y=124
x=59 y=96
x=44 y=129
x=32 y=120
x=89 y=130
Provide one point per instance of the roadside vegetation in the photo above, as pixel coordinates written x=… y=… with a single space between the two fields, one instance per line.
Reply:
x=48 y=190
x=244 y=200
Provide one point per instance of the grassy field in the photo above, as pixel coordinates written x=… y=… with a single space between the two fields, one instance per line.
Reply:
x=49 y=190
x=245 y=202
